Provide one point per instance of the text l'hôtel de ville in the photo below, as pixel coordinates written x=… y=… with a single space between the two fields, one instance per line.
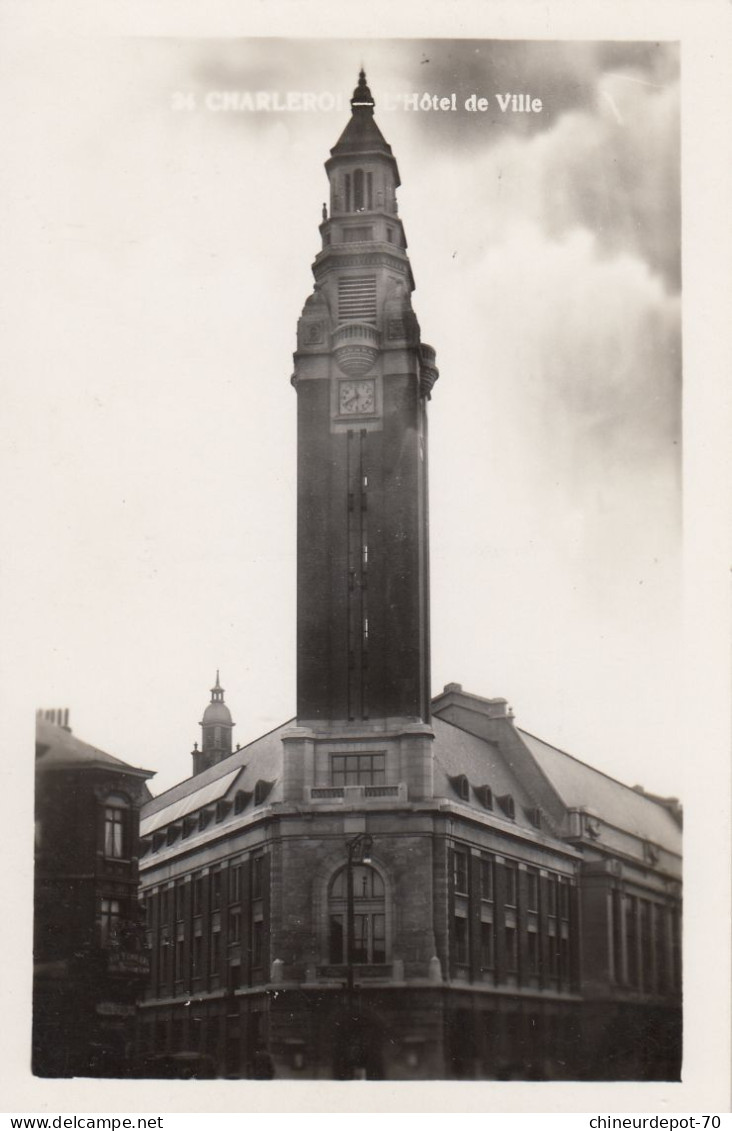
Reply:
x=474 y=103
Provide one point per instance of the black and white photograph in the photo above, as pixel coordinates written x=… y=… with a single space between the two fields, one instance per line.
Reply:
x=354 y=612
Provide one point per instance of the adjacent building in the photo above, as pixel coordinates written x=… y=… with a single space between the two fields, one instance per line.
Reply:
x=392 y=886
x=90 y=965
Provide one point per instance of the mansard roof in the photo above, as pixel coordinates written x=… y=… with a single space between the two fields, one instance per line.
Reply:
x=555 y=781
x=484 y=766
x=582 y=787
x=259 y=760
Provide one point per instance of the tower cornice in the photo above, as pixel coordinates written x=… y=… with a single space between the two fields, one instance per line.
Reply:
x=333 y=258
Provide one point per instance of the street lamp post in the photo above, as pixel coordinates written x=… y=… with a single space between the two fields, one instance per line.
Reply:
x=359 y=849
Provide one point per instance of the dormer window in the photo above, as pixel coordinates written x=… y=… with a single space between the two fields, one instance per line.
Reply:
x=222 y=808
x=461 y=785
x=241 y=800
x=534 y=816
x=485 y=795
x=261 y=791
x=507 y=805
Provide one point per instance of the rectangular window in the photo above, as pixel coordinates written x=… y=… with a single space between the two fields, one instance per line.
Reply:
x=460 y=871
x=461 y=941
x=214 y=952
x=235 y=927
x=486 y=879
x=164 y=905
x=198 y=893
x=487 y=958
x=179 y=953
x=553 y=955
x=369 y=938
x=358 y=187
x=564 y=958
x=533 y=952
x=197 y=956
x=215 y=889
x=358 y=769
x=109 y=922
x=532 y=891
x=164 y=957
x=511 y=950
x=510 y=871
x=257 y=883
x=114 y=830
x=563 y=899
x=257 y=943
x=551 y=895
x=235 y=883
x=179 y=899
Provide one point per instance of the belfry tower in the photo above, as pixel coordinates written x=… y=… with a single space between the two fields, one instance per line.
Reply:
x=363 y=378
x=373 y=891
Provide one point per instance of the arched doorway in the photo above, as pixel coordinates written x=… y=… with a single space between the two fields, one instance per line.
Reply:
x=369 y=919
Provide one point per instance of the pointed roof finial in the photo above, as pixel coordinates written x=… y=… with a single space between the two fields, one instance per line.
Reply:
x=362 y=98
x=217 y=691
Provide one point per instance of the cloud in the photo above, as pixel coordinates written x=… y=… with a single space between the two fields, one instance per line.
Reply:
x=613 y=170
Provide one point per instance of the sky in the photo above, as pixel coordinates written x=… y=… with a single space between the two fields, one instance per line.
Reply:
x=165 y=261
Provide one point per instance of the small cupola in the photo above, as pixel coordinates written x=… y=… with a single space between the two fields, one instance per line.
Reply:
x=216 y=727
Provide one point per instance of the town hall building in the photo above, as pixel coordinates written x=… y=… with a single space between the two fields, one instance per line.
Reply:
x=393 y=885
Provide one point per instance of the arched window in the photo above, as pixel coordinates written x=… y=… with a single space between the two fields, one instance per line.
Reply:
x=369 y=916
x=116 y=826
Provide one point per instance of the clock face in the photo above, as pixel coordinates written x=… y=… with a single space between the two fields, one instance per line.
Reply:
x=356 y=397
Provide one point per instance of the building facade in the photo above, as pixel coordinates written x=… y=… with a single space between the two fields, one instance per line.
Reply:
x=390 y=886
x=90 y=965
